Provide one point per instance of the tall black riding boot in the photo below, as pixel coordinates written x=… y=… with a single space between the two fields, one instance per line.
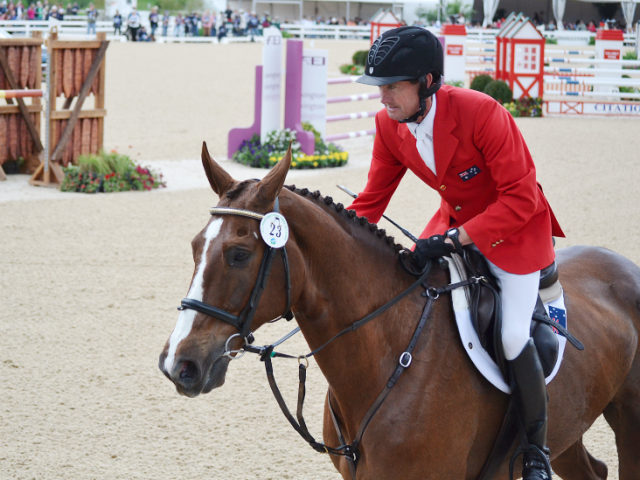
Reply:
x=531 y=391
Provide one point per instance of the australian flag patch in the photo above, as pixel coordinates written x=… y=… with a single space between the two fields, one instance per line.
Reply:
x=558 y=315
x=469 y=173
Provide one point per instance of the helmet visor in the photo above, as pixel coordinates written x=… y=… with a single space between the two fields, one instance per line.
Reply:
x=380 y=81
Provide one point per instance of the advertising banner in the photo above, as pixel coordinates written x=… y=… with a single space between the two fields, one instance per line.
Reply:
x=314 y=89
x=271 y=81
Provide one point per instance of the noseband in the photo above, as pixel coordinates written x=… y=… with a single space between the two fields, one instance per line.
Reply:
x=243 y=322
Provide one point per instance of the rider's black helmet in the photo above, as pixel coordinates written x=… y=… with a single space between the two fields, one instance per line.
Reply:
x=405 y=53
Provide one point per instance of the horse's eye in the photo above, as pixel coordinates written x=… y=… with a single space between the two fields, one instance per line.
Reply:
x=240 y=257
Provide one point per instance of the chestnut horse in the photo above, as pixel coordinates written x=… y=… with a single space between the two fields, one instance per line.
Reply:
x=441 y=419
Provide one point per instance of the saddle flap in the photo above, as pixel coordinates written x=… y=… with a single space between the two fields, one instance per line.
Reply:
x=483 y=301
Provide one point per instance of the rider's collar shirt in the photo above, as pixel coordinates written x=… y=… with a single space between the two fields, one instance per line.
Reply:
x=423 y=133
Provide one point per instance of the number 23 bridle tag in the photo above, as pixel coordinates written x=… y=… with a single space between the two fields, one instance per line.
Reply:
x=274 y=230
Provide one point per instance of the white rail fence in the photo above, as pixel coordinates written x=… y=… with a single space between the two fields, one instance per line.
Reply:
x=77 y=25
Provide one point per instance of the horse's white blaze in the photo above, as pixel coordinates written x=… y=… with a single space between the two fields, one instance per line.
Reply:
x=186 y=317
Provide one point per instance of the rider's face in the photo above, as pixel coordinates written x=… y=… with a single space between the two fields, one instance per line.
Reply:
x=400 y=99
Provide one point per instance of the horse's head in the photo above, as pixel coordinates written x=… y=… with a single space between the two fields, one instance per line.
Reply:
x=228 y=254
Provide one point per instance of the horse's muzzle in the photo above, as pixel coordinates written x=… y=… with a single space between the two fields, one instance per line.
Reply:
x=191 y=378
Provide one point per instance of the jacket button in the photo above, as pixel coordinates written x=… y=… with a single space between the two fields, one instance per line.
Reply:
x=443 y=187
x=493 y=244
x=458 y=208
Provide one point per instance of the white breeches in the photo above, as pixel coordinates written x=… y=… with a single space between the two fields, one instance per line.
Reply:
x=519 y=295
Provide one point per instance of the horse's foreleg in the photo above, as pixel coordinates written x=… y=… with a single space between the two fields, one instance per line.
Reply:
x=576 y=463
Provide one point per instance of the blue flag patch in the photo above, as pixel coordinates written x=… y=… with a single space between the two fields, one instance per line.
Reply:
x=469 y=173
x=558 y=315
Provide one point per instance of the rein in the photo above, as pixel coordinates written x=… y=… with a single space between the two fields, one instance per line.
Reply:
x=243 y=324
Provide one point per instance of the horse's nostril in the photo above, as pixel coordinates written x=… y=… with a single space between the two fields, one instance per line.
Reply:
x=188 y=370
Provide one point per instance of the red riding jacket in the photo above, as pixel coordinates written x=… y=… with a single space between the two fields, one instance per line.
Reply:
x=485 y=176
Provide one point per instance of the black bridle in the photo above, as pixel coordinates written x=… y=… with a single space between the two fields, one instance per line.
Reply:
x=243 y=324
x=244 y=320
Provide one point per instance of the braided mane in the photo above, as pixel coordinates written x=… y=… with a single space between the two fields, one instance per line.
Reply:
x=350 y=215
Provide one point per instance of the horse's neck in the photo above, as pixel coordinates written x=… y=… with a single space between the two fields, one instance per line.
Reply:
x=351 y=274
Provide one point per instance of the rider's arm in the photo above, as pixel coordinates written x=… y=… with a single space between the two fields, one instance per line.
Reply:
x=385 y=174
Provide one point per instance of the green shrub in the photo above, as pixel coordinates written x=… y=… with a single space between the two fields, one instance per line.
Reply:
x=456 y=83
x=551 y=41
x=500 y=91
x=592 y=41
x=480 y=82
x=360 y=57
x=629 y=89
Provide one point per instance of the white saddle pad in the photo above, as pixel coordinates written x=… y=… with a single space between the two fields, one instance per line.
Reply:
x=478 y=355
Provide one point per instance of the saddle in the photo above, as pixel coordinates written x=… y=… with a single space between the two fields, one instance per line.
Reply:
x=486 y=315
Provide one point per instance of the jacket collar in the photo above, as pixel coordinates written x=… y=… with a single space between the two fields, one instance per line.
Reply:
x=444 y=142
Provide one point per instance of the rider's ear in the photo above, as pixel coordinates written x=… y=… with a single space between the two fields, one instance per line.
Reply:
x=219 y=180
x=270 y=186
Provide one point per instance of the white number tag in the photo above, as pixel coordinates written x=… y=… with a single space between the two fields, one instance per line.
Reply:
x=274 y=230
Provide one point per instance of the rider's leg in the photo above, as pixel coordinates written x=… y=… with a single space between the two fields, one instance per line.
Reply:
x=519 y=295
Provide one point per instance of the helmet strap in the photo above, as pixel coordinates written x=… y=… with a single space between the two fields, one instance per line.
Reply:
x=424 y=93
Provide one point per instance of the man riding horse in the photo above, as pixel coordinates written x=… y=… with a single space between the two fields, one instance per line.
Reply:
x=467 y=147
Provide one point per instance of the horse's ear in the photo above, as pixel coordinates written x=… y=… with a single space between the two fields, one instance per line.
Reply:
x=270 y=186
x=219 y=179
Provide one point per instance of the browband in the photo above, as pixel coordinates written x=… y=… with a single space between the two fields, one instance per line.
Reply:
x=236 y=211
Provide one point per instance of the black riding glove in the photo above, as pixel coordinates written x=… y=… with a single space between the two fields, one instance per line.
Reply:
x=432 y=247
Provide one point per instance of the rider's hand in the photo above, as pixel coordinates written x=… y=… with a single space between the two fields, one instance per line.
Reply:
x=432 y=247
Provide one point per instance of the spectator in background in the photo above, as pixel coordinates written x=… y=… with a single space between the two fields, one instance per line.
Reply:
x=117 y=23
x=74 y=10
x=153 y=21
x=143 y=36
x=39 y=9
x=552 y=26
x=206 y=24
x=52 y=13
x=222 y=31
x=133 y=22
x=68 y=9
x=195 y=24
x=592 y=27
x=266 y=20
x=253 y=25
x=92 y=16
x=187 y=25
x=580 y=26
x=31 y=12
x=60 y=12
x=214 y=22
x=166 y=18
x=178 y=30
